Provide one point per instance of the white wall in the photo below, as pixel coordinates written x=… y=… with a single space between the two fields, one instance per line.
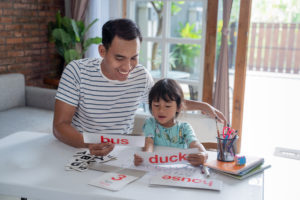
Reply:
x=103 y=10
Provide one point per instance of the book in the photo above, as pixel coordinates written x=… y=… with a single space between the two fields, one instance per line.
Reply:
x=252 y=172
x=232 y=168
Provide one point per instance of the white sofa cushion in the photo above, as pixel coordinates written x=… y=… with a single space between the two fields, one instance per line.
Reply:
x=25 y=119
x=12 y=87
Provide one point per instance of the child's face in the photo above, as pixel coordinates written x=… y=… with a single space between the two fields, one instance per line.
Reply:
x=164 y=112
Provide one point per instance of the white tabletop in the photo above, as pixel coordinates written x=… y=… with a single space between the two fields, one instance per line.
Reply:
x=32 y=166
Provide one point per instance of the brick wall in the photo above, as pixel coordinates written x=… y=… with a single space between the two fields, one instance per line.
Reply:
x=24 y=46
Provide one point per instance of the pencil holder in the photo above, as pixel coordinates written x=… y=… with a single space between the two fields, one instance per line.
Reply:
x=226 y=149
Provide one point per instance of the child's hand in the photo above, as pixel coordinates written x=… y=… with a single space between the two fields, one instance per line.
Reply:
x=197 y=159
x=137 y=160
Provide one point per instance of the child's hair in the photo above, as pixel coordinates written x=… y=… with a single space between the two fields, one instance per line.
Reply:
x=168 y=90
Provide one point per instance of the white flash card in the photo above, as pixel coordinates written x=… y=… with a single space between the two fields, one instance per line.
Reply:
x=113 y=181
x=174 y=156
x=127 y=140
x=187 y=182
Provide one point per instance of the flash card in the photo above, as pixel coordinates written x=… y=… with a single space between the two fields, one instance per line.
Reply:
x=103 y=159
x=77 y=164
x=82 y=152
x=83 y=158
x=199 y=182
x=103 y=167
x=113 y=181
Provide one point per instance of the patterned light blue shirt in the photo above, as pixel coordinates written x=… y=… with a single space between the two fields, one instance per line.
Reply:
x=180 y=135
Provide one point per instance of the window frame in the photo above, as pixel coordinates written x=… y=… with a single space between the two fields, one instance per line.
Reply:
x=166 y=40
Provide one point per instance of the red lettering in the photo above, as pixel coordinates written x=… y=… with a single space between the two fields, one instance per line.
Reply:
x=166 y=177
x=209 y=184
x=161 y=159
x=176 y=178
x=121 y=176
x=195 y=180
x=171 y=158
x=188 y=179
x=124 y=141
x=155 y=159
x=104 y=140
x=167 y=159
x=112 y=141
x=182 y=156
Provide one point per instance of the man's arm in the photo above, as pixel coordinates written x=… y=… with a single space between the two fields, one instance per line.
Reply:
x=206 y=109
x=62 y=129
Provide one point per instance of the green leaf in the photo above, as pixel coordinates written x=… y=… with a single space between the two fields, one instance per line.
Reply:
x=88 y=42
x=60 y=35
x=75 y=29
x=81 y=28
x=67 y=26
x=51 y=26
x=68 y=36
x=60 y=48
x=58 y=19
x=89 y=26
x=70 y=55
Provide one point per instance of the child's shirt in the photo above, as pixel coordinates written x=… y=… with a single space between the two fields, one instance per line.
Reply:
x=180 y=135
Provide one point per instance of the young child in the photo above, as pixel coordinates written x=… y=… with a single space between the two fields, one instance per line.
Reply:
x=165 y=103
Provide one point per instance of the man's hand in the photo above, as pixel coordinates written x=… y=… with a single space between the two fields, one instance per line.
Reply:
x=215 y=113
x=206 y=109
x=101 y=149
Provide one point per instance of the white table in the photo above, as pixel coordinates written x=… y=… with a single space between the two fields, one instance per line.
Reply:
x=32 y=166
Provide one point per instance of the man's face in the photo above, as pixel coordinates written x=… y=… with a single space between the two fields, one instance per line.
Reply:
x=120 y=58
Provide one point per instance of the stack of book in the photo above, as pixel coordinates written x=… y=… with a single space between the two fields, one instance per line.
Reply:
x=253 y=166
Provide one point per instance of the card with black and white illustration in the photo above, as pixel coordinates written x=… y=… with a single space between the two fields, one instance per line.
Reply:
x=81 y=159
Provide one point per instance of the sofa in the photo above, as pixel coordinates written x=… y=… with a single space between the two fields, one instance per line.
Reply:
x=27 y=108
x=24 y=108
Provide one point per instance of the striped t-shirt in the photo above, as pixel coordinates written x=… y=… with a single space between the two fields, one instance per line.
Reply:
x=102 y=105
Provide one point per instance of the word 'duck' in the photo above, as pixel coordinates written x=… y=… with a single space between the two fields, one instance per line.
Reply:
x=156 y=159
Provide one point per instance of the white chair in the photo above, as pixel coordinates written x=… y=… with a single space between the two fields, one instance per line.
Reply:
x=204 y=127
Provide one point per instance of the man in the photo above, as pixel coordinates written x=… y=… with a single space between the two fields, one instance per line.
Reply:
x=102 y=95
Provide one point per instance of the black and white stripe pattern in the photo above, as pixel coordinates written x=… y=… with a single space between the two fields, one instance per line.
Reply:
x=103 y=105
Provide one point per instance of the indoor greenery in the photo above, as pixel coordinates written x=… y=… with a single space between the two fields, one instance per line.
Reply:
x=185 y=54
x=69 y=37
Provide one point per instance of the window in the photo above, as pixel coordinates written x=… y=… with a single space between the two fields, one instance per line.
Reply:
x=173 y=40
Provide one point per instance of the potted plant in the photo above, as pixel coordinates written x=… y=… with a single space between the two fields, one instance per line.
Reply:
x=69 y=37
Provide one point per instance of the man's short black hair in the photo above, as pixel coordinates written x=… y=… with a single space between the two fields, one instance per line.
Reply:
x=168 y=90
x=125 y=29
